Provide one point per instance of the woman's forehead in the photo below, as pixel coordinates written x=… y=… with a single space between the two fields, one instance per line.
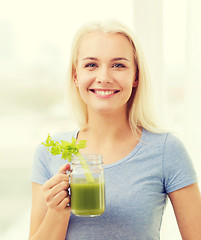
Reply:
x=111 y=44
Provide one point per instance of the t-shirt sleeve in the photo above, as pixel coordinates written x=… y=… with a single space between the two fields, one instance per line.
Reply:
x=177 y=166
x=41 y=171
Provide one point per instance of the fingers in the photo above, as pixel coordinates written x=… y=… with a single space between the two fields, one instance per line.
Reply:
x=57 y=199
x=63 y=204
x=56 y=190
x=64 y=168
x=62 y=186
x=55 y=180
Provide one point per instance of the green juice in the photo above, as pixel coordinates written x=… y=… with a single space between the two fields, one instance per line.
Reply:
x=87 y=198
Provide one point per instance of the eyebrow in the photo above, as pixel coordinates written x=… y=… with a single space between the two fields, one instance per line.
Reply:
x=120 y=58
x=90 y=58
x=113 y=59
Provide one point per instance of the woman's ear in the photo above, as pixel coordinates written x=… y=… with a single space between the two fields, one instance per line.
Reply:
x=135 y=83
x=75 y=79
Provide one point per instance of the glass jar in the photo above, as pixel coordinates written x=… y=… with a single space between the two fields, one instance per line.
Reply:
x=87 y=185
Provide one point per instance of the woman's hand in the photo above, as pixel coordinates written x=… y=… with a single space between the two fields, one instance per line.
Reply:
x=55 y=190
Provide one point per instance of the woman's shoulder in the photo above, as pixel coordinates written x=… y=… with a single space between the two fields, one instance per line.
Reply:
x=162 y=137
x=169 y=146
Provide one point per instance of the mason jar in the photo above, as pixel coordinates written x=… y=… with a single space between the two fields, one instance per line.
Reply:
x=87 y=185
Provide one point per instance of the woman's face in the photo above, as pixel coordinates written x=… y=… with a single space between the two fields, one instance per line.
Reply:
x=105 y=73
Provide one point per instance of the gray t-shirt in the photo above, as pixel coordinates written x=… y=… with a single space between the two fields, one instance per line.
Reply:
x=136 y=187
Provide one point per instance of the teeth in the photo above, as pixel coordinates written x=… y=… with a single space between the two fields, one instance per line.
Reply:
x=104 y=93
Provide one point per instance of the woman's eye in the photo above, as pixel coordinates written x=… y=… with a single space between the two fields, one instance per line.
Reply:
x=90 y=65
x=118 y=65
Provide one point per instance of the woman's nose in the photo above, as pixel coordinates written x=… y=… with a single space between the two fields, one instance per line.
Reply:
x=103 y=76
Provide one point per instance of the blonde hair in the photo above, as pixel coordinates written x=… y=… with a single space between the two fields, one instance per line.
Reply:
x=140 y=108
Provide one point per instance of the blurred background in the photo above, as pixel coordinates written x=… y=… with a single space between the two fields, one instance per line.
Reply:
x=35 y=41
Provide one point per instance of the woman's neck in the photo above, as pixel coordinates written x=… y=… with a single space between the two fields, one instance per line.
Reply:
x=107 y=126
x=110 y=136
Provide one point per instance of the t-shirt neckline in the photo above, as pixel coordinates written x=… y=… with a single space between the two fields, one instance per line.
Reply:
x=132 y=153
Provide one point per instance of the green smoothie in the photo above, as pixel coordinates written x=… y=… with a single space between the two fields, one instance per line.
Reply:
x=87 y=198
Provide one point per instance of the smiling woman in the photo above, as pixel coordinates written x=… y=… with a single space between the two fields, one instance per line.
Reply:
x=143 y=164
x=124 y=58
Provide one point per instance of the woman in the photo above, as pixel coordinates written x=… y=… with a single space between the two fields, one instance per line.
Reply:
x=143 y=166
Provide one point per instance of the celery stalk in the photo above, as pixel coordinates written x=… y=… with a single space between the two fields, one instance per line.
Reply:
x=87 y=171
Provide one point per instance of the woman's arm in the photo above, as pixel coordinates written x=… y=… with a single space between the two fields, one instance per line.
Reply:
x=49 y=214
x=186 y=203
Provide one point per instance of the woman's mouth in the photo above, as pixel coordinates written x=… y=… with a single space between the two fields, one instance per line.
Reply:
x=104 y=92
